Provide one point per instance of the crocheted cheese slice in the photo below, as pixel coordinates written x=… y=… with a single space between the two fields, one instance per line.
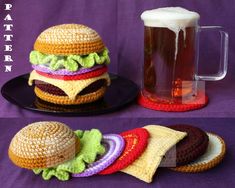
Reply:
x=70 y=87
x=160 y=141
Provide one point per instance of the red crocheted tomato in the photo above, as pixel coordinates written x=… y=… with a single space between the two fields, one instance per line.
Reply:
x=136 y=141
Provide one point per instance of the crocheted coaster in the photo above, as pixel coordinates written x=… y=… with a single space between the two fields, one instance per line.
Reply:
x=69 y=39
x=70 y=87
x=136 y=141
x=200 y=101
x=114 y=146
x=64 y=100
x=42 y=145
x=213 y=156
x=64 y=72
x=48 y=88
x=190 y=148
x=91 y=74
x=91 y=147
x=160 y=141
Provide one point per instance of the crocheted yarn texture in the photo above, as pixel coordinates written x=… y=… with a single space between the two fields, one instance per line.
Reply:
x=64 y=72
x=90 y=147
x=200 y=101
x=212 y=157
x=42 y=145
x=136 y=141
x=69 y=39
x=41 y=104
x=114 y=145
x=160 y=141
x=66 y=56
x=53 y=149
x=48 y=88
x=87 y=75
x=190 y=148
x=70 y=87
x=64 y=100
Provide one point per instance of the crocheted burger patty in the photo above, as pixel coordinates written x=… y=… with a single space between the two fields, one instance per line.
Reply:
x=212 y=157
x=190 y=148
x=65 y=100
x=71 y=87
x=57 y=91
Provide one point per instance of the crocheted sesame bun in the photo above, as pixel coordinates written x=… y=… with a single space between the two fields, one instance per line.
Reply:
x=69 y=39
x=43 y=144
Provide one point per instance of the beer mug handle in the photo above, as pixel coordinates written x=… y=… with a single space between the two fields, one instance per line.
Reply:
x=223 y=66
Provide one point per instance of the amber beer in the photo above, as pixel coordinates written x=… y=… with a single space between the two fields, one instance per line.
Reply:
x=169 y=64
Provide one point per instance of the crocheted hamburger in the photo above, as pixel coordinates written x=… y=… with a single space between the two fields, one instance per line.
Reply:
x=53 y=149
x=70 y=65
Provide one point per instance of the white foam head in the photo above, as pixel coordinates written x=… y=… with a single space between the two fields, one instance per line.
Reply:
x=170 y=17
x=173 y=18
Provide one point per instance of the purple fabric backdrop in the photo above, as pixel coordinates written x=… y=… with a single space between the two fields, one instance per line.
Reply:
x=119 y=24
x=220 y=176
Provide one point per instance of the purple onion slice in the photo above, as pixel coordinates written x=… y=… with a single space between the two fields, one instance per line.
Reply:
x=47 y=70
x=114 y=145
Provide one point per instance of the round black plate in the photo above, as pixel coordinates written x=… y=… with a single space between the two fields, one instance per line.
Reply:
x=120 y=93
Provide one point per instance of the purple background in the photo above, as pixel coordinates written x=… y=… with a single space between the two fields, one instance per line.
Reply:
x=118 y=22
x=119 y=25
x=220 y=176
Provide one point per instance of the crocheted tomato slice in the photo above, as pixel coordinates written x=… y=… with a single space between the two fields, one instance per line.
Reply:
x=136 y=141
x=114 y=146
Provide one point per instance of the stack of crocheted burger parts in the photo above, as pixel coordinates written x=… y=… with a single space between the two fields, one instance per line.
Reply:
x=69 y=63
x=55 y=150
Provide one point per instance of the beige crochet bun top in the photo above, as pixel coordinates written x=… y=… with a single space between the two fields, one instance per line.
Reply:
x=67 y=39
x=43 y=144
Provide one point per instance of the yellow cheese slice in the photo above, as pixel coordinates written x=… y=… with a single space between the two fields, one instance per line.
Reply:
x=70 y=87
x=160 y=141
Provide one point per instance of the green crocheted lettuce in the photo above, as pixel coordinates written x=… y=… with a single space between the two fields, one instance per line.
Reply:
x=71 y=62
x=90 y=142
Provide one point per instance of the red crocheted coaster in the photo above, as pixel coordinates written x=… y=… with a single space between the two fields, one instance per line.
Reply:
x=87 y=75
x=200 y=101
x=136 y=141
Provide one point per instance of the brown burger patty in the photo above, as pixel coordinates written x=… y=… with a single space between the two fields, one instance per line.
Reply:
x=57 y=91
x=191 y=147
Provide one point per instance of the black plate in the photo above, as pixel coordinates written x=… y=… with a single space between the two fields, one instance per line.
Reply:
x=120 y=93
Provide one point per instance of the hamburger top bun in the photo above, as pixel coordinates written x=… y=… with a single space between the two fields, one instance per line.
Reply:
x=43 y=144
x=67 y=39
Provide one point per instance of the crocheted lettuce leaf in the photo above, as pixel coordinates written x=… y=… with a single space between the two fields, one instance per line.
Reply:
x=91 y=146
x=71 y=62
